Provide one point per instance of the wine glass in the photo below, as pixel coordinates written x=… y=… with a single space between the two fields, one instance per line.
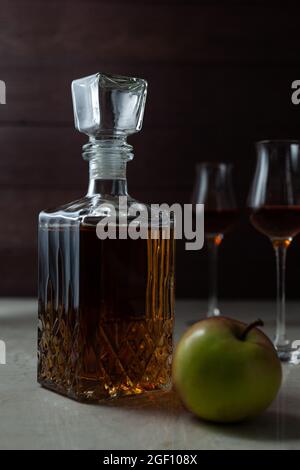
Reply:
x=213 y=188
x=274 y=200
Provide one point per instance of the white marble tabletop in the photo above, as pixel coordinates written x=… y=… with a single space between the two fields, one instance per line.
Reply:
x=34 y=418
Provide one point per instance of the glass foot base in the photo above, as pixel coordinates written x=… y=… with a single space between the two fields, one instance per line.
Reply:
x=213 y=313
x=288 y=354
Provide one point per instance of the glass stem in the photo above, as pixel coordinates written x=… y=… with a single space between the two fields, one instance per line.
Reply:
x=213 y=243
x=281 y=342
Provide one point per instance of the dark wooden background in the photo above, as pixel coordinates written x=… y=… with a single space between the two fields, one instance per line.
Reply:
x=220 y=75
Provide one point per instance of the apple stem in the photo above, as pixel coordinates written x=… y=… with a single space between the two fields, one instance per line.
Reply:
x=250 y=327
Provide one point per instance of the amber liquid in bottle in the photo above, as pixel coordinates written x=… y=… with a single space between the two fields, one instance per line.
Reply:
x=106 y=316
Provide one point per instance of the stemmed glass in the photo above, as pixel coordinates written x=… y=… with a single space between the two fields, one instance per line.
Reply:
x=213 y=188
x=274 y=200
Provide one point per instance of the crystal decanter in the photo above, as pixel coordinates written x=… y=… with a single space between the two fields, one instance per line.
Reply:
x=106 y=306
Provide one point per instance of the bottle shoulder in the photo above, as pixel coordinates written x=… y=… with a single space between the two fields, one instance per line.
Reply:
x=92 y=208
x=88 y=207
x=89 y=204
x=71 y=210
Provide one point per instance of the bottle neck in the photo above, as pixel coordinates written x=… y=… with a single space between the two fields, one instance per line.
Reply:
x=107 y=187
x=108 y=159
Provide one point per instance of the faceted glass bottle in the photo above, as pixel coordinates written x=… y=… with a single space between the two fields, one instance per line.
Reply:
x=106 y=307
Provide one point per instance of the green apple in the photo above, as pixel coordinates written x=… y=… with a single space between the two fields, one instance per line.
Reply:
x=226 y=371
